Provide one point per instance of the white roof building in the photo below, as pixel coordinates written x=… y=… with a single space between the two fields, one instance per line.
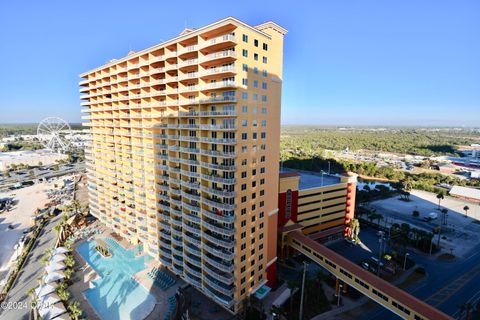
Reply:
x=464 y=192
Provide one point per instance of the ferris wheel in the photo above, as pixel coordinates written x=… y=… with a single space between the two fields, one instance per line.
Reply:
x=52 y=132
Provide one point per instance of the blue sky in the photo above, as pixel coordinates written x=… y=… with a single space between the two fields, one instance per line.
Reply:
x=409 y=62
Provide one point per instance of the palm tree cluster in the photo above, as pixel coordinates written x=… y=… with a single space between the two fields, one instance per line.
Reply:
x=404 y=235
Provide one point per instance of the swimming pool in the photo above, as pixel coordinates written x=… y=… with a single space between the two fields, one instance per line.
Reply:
x=116 y=295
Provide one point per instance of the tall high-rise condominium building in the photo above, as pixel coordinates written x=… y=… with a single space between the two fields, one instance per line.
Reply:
x=184 y=153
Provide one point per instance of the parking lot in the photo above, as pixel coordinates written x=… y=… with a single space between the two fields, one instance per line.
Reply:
x=18 y=220
x=461 y=233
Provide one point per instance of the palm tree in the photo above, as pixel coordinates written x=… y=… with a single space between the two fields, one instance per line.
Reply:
x=68 y=273
x=33 y=296
x=61 y=286
x=69 y=261
x=440 y=197
x=64 y=295
x=466 y=208
x=75 y=310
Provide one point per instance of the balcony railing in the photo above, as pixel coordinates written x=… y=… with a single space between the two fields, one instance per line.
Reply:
x=218 y=229
x=218 y=264
x=219 y=217
x=229 y=244
x=218 y=251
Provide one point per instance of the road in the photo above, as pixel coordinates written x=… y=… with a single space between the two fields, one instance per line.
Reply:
x=31 y=271
x=446 y=287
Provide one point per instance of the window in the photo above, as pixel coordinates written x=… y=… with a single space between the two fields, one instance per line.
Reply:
x=245 y=52
x=262 y=193
x=252 y=252
x=262 y=170
x=244 y=109
x=254 y=184
x=262 y=159
x=244 y=123
x=243 y=224
x=262 y=181
x=242 y=281
x=245 y=95
x=255 y=110
x=264 y=73
x=242 y=270
x=264 y=110
x=255 y=97
x=243 y=211
x=244 y=136
x=243 y=235
x=244 y=149
x=244 y=162
x=255 y=83
x=245 y=39
x=265 y=47
x=255 y=70
x=242 y=258
x=264 y=85
x=264 y=98
x=254 y=135
x=242 y=292
x=263 y=146
x=264 y=59
x=244 y=174
x=254 y=172
x=244 y=67
x=255 y=56
x=255 y=42
x=252 y=284
x=264 y=123
x=262 y=204
x=244 y=187
x=245 y=82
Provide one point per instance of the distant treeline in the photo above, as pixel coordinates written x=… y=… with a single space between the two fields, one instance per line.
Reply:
x=311 y=141
x=7 y=130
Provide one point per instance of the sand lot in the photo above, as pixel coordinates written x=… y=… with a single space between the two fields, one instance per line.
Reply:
x=28 y=200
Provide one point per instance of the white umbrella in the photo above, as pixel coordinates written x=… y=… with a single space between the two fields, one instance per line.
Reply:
x=61 y=250
x=52 y=311
x=55 y=266
x=58 y=257
x=54 y=276
x=45 y=289
x=50 y=299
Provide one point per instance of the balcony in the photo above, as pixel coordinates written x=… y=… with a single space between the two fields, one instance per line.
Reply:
x=223 y=55
x=191 y=239
x=194 y=229
x=218 y=99
x=219 y=229
x=188 y=49
x=216 y=178
x=220 y=217
x=177 y=241
x=194 y=260
x=224 y=277
x=218 y=70
x=190 y=279
x=193 y=250
x=229 y=244
x=227 y=39
x=218 y=251
x=219 y=286
x=191 y=196
x=218 y=166
x=219 y=264
x=217 y=192
x=226 y=301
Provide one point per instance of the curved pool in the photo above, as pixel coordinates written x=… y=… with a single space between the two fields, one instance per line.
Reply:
x=116 y=295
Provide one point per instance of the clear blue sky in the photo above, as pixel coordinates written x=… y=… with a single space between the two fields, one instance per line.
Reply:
x=409 y=62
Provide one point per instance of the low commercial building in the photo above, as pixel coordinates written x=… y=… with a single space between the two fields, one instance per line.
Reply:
x=31 y=158
x=445 y=167
x=469 y=194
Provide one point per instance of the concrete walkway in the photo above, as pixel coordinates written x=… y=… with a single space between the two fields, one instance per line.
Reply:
x=31 y=271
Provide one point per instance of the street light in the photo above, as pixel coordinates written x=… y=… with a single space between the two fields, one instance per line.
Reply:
x=405 y=260
x=339 y=293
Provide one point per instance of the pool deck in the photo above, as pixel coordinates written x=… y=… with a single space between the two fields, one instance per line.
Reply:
x=82 y=280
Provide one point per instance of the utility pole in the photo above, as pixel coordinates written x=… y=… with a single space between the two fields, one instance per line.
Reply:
x=300 y=316
x=405 y=261
x=339 y=293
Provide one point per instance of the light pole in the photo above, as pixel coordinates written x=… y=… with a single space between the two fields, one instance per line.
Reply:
x=300 y=316
x=339 y=293
x=405 y=261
